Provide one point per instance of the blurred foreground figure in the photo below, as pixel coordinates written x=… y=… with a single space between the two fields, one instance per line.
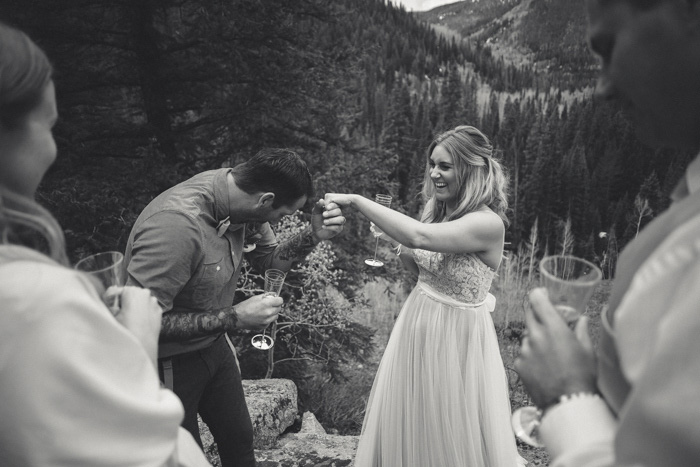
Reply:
x=77 y=386
x=638 y=406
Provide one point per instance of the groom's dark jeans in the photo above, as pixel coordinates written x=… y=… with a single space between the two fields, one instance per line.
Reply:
x=208 y=382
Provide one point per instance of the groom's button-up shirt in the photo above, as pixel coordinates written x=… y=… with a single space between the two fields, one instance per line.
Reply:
x=177 y=250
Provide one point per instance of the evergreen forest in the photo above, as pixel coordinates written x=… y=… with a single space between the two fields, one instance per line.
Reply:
x=152 y=91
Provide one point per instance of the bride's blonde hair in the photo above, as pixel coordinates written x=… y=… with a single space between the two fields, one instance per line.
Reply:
x=25 y=72
x=481 y=178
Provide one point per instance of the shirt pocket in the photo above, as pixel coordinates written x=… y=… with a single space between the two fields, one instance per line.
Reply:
x=216 y=274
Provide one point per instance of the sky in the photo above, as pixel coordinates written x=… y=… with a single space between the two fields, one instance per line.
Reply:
x=422 y=5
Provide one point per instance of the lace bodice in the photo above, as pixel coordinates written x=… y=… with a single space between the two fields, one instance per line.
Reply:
x=463 y=277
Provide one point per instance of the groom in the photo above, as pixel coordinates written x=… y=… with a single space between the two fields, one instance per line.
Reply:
x=187 y=247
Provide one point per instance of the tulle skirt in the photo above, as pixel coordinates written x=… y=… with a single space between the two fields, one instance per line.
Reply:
x=440 y=396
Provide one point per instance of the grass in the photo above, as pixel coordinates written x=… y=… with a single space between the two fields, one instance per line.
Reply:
x=383 y=303
x=340 y=407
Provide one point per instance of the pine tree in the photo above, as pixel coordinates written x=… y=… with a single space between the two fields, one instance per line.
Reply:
x=398 y=140
x=575 y=189
x=530 y=182
x=511 y=121
x=470 y=114
x=490 y=121
x=452 y=98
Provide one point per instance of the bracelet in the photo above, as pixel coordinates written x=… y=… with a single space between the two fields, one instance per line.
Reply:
x=397 y=249
x=564 y=398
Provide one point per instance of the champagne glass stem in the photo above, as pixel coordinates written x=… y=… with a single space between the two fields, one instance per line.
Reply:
x=376 y=245
x=273 y=330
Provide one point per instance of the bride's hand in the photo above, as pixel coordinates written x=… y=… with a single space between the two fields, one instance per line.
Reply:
x=340 y=199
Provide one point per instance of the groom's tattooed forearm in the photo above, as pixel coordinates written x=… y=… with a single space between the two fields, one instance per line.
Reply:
x=296 y=247
x=182 y=326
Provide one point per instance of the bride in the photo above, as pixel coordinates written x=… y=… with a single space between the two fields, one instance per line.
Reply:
x=440 y=396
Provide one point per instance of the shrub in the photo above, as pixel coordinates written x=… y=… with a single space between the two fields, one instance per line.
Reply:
x=314 y=325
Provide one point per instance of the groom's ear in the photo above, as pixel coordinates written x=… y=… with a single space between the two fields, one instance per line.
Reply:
x=266 y=199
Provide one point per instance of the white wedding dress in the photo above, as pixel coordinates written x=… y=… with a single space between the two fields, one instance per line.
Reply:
x=440 y=396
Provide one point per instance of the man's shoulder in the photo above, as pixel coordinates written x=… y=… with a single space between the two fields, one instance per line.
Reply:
x=189 y=197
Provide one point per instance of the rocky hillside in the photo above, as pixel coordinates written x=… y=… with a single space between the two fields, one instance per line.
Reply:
x=545 y=34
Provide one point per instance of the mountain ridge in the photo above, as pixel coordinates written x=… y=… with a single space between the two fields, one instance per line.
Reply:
x=543 y=35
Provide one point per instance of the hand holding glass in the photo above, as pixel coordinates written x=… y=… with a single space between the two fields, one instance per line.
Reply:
x=384 y=200
x=570 y=282
x=106 y=268
x=274 y=279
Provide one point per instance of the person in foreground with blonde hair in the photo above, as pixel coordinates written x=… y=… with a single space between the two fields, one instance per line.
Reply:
x=77 y=386
x=440 y=396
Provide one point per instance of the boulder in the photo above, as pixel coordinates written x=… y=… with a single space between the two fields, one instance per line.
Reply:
x=272 y=404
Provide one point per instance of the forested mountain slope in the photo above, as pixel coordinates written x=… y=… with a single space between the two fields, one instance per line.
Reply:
x=543 y=35
x=152 y=91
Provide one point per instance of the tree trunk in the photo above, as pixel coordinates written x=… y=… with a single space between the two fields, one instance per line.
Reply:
x=153 y=90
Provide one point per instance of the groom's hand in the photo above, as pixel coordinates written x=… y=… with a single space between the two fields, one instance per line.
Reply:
x=327 y=220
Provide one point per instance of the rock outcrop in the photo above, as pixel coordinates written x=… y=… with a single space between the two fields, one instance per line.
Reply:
x=272 y=404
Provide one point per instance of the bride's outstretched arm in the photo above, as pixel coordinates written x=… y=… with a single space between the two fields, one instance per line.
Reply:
x=474 y=232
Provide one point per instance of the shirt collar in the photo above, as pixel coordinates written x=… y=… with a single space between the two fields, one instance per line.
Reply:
x=221 y=200
x=222 y=203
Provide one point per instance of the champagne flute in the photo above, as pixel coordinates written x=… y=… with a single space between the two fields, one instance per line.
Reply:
x=570 y=282
x=274 y=279
x=105 y=268
x=384 y=200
